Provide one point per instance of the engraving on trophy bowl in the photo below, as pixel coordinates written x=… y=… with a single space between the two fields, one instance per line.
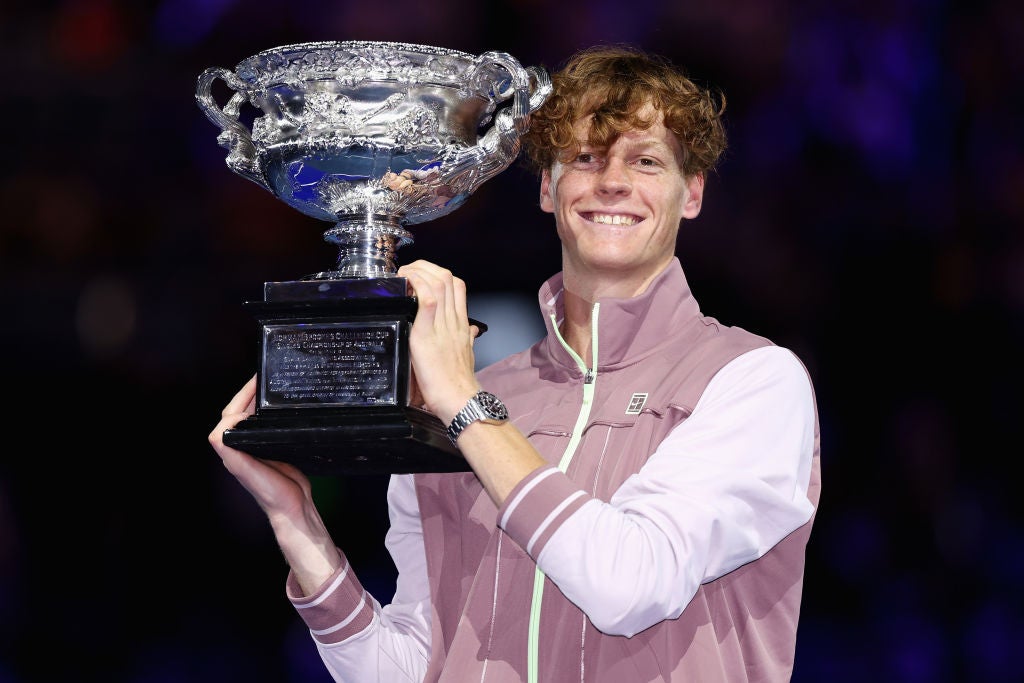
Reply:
x=373 y=136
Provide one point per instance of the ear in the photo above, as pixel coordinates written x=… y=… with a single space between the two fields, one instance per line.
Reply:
x=694 y=195
x=547 y=203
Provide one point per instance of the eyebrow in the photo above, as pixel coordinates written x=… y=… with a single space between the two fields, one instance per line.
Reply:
x=649 y=142
x=645 y=142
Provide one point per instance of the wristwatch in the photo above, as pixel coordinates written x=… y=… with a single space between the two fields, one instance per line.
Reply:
x=483 y=406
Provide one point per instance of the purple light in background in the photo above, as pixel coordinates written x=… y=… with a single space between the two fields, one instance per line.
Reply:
x=857 y=547
x=992 y=641
x=619 y=21
x=862 y=81
x=914 y=645
x=918 y=651
x=182 y=23
x=771 y=134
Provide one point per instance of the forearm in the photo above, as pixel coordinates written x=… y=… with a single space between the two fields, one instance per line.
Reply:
x=500 y=457
x=356 y=637
x=307 y=547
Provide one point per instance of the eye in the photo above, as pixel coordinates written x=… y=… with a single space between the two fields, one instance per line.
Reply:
x=648 y=162
x=587 y=161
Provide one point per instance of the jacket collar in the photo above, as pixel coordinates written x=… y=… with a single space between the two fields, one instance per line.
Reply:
x=629 y=329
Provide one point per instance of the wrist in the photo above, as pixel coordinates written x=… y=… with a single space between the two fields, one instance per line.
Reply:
x=482 y=406
x=306 y=545
x=450 y=406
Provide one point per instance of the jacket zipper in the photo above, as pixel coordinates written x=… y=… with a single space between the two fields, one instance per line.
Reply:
x=589 y=382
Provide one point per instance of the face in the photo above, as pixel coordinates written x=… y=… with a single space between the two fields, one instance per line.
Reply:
x=618 y=210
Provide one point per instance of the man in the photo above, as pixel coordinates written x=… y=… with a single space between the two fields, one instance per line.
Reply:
x=643 y=513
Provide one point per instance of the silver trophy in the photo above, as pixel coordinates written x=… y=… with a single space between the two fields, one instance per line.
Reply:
x=372 y=137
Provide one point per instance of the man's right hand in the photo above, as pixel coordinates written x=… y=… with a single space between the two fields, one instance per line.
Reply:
x=284 y=493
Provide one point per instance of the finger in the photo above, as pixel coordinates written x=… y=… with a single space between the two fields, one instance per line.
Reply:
x=421 y=265
x=241 y=405
x=229 y=421
x=459 y=309
x=441 y=292
x=426 y=297
x=244 y=401
x=442 y=309
x=432 y=295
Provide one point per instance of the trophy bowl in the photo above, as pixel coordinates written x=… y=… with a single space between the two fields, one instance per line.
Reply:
x=372 y=137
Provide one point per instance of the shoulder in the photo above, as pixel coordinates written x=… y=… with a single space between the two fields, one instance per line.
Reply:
x=771 y=372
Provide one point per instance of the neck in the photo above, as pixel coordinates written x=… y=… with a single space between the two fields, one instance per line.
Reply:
x=581 y=291
x=575 y=327
x=592 y=282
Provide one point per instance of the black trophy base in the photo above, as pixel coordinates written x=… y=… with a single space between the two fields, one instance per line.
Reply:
x=393 y=440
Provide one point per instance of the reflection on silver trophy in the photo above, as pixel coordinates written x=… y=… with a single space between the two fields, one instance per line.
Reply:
x=372 y=137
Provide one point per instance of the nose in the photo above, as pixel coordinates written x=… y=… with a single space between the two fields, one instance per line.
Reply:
x=614 y=178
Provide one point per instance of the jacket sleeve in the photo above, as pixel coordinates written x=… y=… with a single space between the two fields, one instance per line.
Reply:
x=357 y=638
x=725 y=486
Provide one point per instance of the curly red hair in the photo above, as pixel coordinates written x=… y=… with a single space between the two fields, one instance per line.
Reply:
x=613 y=85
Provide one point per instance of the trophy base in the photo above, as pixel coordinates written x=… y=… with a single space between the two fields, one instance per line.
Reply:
x=395 y=440
x=333 y=382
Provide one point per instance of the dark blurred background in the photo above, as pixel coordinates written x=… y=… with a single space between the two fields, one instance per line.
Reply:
x=867 y=215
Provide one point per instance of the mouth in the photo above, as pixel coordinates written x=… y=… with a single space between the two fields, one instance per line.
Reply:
x=624 y=219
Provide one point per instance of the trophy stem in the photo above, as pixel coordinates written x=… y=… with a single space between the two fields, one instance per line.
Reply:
x=366 y=246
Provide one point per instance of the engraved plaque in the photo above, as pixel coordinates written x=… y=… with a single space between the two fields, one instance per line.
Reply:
x=330 y=364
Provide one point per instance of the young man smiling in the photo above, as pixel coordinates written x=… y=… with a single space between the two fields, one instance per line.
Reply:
x=644 y=478
x=617 y=212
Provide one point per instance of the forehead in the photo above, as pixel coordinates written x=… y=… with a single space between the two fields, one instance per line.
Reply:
x=657 y=136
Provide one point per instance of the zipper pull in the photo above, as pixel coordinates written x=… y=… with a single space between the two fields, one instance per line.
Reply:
x=589 y=377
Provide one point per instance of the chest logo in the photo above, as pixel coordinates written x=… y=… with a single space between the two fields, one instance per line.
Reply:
x=636 y=404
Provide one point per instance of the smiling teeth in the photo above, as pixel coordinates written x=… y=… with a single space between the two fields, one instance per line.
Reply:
x=613 y=219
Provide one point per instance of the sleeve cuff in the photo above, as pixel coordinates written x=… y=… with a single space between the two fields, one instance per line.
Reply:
x=538 y=506
x=338 y=610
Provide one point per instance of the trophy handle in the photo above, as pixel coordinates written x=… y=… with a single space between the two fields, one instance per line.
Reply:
x=500 y=145
x=234 y=137
x=540 y=86
x=528 y=89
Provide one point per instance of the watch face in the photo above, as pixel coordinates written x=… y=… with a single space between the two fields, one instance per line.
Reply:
x=492 y=406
